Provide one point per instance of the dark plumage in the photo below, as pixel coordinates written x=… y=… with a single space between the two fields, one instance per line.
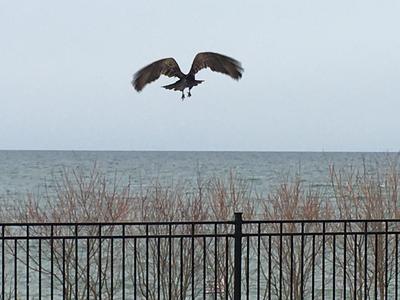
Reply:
x=169 y=67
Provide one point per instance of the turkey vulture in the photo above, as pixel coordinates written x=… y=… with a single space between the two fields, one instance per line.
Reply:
x=169 y=67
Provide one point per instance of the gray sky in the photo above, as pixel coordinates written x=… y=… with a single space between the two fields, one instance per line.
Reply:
x=319 y=75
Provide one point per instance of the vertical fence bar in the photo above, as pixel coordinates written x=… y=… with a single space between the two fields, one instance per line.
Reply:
x=258 y=259
x=386 y=260
x=334 y=267
x=376 y=267
x=112 y=267
x=88 y=268
x=302 y=262
x=147 y=263
x=313 y=269
x=355 y=267
x=215 y=261
x=269 y=266
x=323 y=260
x=226 y=268
x=396 y=280
x=238 y=257
x=40 y=269
x=158 y=269
x=99 y=271
x=123 y=261
x=51 y=262
x=204 y=267
x=344 y=260
x=63 y=270
x=27 y=262
x=15 y=270
x=3 y=277
x=134 y=268
x=291 y=267
x=192 y=261
x=247 y=267
x=169 y=262
x=181 y=267
x=365 y=260
x=280 y=259
x=76 y=261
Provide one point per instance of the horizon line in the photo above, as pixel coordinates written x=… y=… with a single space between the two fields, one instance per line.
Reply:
x=177 y=150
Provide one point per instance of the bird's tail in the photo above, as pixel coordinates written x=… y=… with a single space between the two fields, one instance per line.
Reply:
x=176 y=86
x=180 y=85
x=197 y=82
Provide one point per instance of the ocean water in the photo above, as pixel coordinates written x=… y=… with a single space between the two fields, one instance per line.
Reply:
x=24 y=172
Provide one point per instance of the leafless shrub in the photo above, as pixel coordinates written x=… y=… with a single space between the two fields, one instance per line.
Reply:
x=360 y=194
x=291 y=201
x=225 y=197
x=158 y=256
x=76 y=197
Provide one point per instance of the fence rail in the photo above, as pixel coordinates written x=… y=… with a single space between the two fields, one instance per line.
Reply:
x=238 y=259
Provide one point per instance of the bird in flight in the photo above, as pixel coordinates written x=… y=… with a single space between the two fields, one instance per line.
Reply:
x=169 y=67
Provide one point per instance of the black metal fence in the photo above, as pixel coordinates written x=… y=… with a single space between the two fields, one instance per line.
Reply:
x=238 y=259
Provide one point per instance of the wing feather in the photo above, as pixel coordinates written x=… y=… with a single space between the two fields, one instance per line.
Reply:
x=218 y=63
x=166 y=66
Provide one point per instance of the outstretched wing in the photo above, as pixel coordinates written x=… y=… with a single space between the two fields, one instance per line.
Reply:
x=218 y=63
x=166 y=66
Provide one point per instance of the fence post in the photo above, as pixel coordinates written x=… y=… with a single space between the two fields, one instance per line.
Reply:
x=237 y=292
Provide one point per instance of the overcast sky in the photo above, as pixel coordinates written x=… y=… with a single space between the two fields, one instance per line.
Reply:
x=319 y=75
